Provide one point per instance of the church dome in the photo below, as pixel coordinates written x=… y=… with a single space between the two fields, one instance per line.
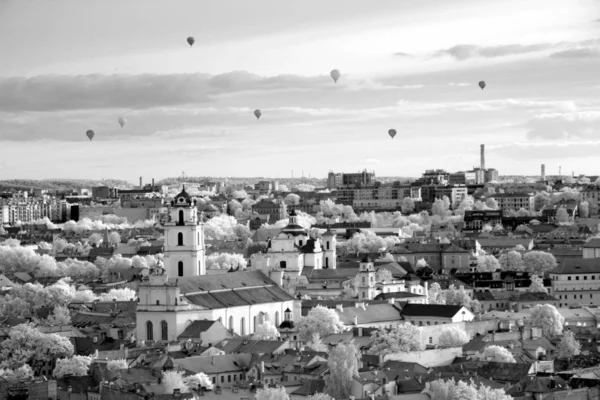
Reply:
x=293 y=228
x=183 y=199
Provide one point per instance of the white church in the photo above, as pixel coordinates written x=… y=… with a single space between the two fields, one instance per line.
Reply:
x=169 y=303
x=292 y=250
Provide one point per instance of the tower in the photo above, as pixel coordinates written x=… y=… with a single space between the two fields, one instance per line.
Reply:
x=328 y=243
x=366 y=279
x=483 y=157
x=543 y=172
x=184 y=250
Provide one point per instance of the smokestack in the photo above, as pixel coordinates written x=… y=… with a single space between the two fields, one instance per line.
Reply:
x=140 y=181
x=152 y=183
x=543 y=172
x=482 y=157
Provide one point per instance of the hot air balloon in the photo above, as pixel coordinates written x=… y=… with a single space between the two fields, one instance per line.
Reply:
x=481 y=84
x=392 y=133
x=90 y=133
x=191 y=41
x=122 y=121
x=257 y=113
x=335 y=74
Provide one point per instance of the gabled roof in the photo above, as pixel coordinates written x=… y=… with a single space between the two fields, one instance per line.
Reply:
x=430 y=310
x=241 y=346
x=205 y=283
x=370 y=314
x=216 y=364
x=593 y=243
x=196 y=328
x=577 y=266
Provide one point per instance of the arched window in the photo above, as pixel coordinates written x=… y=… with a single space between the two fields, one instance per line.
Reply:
x=149 y=331
x=282 y=264
x=180 y=268
x=328 y=245
x=327 y=261
x=255 y=323
x=180 y=239
x=181 y=217
x=243 y=326
x=231 y=323
x=277 y=319
x=164 y=330
x=300 y=243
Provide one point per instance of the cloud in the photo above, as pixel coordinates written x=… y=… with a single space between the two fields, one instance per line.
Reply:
x=63 y=92
x=463 y=52
x=556 y=126
x=585 y=52
x=402 y=54
x=459 y=84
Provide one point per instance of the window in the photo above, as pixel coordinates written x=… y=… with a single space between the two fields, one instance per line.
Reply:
x=569 y=278
x=180 y=217
x=243 y=326
x=585 y=278
x=430 y=340
x=577 y=278
x=149 y=331
x=180 y=239
x=277 y=319
x=222 y=378
x=180 y=268
x=164 y=330
x=228 y=378
x=300 y=243
x=328 y=245
x=282 y=264
x=326 y=262
x=214 y=379
x=122 y=335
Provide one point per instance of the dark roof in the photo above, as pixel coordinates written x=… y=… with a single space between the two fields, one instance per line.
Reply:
x=430 y=310
x=196 y=328
x=577 y=266
x=245 y=346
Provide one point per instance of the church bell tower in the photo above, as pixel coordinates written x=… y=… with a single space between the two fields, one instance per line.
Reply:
x=184 y=250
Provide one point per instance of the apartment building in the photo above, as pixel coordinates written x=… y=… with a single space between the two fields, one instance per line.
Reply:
x=514 y=201
x=576 y=282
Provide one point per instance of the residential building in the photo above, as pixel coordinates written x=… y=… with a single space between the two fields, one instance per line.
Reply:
x=476 y=219
x=439 y=256
x=435 y=314
x=591 y=249
x=577 y=282
x=514 y=201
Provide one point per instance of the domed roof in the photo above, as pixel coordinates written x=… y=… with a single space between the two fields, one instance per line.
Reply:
x=329 y=232
x=183 y=199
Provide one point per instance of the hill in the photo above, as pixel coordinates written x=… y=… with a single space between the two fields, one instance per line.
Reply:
x=60 y=184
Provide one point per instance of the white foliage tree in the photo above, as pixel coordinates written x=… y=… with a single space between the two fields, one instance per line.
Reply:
x=568 y=346
x=401 y=338
x=278 y=393
x=172 y=380
x=537 y=285
x=451 y=390
x=113 y=365
x=487 y=263
x=266 y=331
x=497 y=354
x=343 y=364
x=75 y=366
x=321 y=320
x=547 y=318
x=226 y=261
x=453 y=336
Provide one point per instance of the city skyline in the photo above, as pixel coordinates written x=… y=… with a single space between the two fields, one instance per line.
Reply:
x=413 y=67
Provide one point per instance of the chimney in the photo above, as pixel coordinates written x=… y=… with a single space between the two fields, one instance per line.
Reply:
x=213 y=360
x=482 y=157
x=262 y=367
x=355 y=320
x=140 y=181
x=543 y=172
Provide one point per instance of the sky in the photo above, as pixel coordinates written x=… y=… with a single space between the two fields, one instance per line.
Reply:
x=411 y=65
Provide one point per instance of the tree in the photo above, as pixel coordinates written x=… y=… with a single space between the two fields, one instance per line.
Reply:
x=95 y=239
x=60 y=316
x=75 y=366
x=451 y=390
x=124 y=294
x=114 y=365
x=343 y=366
x=487 y=263
x=453 y=336
x=26 y=344
x=316 y=344
x=266 y=331
x=114 y=238
x=512 y=261
x=421 y=263
x=365 y=242
x=283 y=188
x=497 y=354
x=408 y=205
x=321 y=320
x=562 y=216
x=537 y=285
x=435 y=295
x=584 y=209
x=383 y=275
x=198 y=380
x=541 y=200
x=538 y=262
x=487 y=228
x=292 y=199
x=568 y=346
x=21 y=374
x=491 y=203
x=172 y=380
x=239 y=194
x=402 y=338
x=278 y=393
x=320 y=396
x=226 y=261
x=547 y=318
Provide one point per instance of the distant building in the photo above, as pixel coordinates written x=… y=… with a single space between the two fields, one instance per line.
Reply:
x=476 y=219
